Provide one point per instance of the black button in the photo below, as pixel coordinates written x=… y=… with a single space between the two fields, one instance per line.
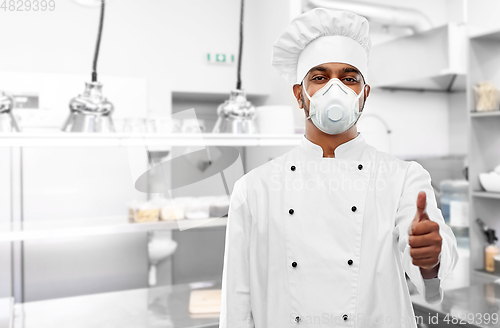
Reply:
x=297 y=319
x=349 y=262
x=353 y=208
x=294 y=264
x=344 y=316
x=360 y=166
x=290 y=211
x=293 y=167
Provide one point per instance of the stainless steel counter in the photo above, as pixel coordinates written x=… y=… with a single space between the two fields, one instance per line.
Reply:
x=475 y=306
x=166 y=307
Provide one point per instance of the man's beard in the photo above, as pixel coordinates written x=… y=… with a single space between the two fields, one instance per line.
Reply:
x=304 y=104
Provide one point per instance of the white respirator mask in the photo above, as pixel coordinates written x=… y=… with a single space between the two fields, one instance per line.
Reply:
x=334 y=108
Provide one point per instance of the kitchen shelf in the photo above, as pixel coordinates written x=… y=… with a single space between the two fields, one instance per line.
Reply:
x=156 y=140
x=212 y=96
x=437 y=58
x=486 y=194
x=490 y=35
x=100 y=226
x=447 y=82
x=485 y=114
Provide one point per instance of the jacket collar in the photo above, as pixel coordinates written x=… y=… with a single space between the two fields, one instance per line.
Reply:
x=351 y=149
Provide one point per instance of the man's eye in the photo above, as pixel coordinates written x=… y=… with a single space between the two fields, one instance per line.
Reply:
x=350 y=79
x=319 y=78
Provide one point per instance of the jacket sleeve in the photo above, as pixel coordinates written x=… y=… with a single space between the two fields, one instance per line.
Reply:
x=236 y=310
x=418 y=179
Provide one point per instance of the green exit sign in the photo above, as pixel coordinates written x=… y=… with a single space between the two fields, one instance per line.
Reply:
x=221 y=58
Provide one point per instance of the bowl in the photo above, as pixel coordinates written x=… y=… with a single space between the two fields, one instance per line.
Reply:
x=490 y=181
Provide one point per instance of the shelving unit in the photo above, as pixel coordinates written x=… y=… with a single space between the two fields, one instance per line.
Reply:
x=96 y=226
x=18 y=230
x=484 y=145
x=485 y=114
x=157 y=140
x=179 y=95
x=486 y=194
x=27 y=172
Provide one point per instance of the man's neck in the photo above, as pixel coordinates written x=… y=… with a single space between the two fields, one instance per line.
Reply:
x=329 y=142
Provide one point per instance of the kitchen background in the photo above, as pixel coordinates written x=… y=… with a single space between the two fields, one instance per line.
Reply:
x=156 y=61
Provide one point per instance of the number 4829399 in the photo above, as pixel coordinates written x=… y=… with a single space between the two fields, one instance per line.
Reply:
x=28 y=5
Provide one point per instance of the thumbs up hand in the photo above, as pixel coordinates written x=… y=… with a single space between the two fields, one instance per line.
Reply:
x=425 y=240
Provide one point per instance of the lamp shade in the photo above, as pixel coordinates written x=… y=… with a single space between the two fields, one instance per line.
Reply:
x=236 y=115
x=7 y=120
x=90 y=112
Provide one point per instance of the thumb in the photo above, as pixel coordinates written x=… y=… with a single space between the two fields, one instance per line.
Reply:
x=421 y=205
x=419 y=215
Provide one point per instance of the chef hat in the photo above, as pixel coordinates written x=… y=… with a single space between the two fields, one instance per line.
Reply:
x=321 y=36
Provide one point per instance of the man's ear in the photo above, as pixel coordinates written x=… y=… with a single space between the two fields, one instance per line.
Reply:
x=367 y=90
x=297 y=90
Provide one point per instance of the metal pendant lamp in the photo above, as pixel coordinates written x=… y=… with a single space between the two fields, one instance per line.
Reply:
x=91 y=111
x=8 y=122
x=237 y=114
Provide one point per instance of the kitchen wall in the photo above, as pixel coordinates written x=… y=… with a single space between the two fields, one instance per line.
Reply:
x=166 y=42
x=480 y=19
x=162 y=41
x=400 y=110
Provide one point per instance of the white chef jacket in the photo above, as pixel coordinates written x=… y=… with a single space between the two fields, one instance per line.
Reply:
x=313 y=241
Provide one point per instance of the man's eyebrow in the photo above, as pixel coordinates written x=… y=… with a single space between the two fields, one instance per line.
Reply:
x=319 y=68
x=351 y=70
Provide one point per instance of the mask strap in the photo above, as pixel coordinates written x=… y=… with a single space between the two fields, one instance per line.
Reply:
x=305 y=91
x=359 y=96
x=310 y=100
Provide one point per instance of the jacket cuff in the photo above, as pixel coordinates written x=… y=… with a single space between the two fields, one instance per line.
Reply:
x=433 y=293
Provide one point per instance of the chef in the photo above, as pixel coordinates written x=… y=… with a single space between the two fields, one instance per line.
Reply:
x=322 y=236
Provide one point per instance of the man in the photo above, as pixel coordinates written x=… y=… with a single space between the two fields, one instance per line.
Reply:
x=322 y=236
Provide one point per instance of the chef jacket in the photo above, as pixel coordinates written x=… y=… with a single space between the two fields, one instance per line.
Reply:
x=314 y=241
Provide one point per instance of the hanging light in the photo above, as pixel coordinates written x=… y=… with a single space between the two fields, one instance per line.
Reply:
x=7 y=120
x=90 y=111
x=236 y=115
x=91 y=3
